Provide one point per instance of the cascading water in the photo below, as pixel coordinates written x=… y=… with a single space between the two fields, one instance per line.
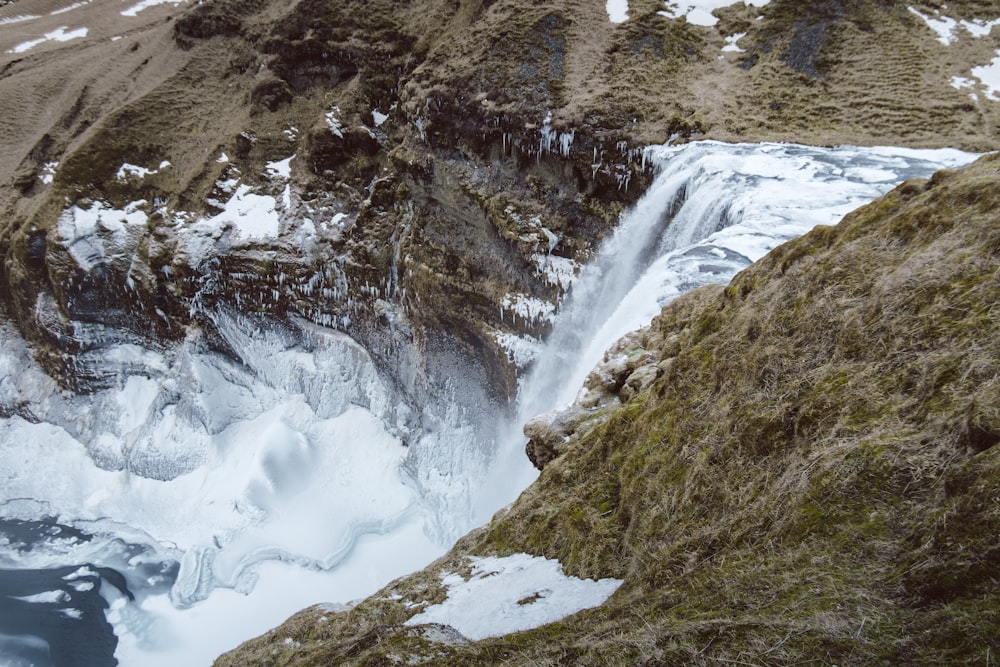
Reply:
x=228 y=494
x=712 y=209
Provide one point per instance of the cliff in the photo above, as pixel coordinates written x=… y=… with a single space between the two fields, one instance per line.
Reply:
x=442 y=151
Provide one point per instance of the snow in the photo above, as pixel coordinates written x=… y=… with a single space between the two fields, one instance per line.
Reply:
x=127 y=171
x=960 y=82
x=99 y=233
x=379 y=117
x=980 y=27
x=512 y=594
x=48 y=597
x=942 y=25
x=521 y=350
x=223 y=158
x=254 y=217
x=57 y=35
x=731 y=43
x=146 y=4
x=281 y=168
x=48 y=173
x=333 y=122
x=7 y=20
x=699 y=12
x=263 y=479
x=75 y=5
x=617 y=10
x=989 y=75
x=947 y=28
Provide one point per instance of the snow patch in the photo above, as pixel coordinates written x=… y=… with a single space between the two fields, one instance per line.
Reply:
x=333 y=122
x=146 y=4
x=512 y=594
x=57 y=35
x=127 y=171
x=989 y=75
x=699 y=12
x=378 y=117
x=527 y=307
x=617 y=10
x=731 y=43
x=947 y=28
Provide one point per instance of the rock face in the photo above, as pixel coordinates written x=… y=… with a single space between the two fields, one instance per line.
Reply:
x=811 y=474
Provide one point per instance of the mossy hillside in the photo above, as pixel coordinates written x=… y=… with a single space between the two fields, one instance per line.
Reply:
x=812 y=478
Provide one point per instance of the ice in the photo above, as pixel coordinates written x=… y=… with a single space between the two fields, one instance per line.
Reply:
x=942 y=25
x=99 y=233
x=526 y=307
x=57 y=35
x=48 y=597
x=146 y=4
x=947 y=28
x=280 y=168
x=521 y=350
x=255 y=479
x=127 y=171
x=512 y=594
x=617 y=10
x=7 y=20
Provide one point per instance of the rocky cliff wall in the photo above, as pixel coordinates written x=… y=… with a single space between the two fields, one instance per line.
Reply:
x=440 y=149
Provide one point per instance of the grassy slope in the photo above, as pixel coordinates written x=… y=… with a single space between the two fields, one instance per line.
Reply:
x=812 y=478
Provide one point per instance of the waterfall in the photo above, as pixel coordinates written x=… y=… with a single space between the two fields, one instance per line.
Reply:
x=713 y=208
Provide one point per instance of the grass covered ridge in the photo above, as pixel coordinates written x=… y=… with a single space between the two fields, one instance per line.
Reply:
x=813 y=478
